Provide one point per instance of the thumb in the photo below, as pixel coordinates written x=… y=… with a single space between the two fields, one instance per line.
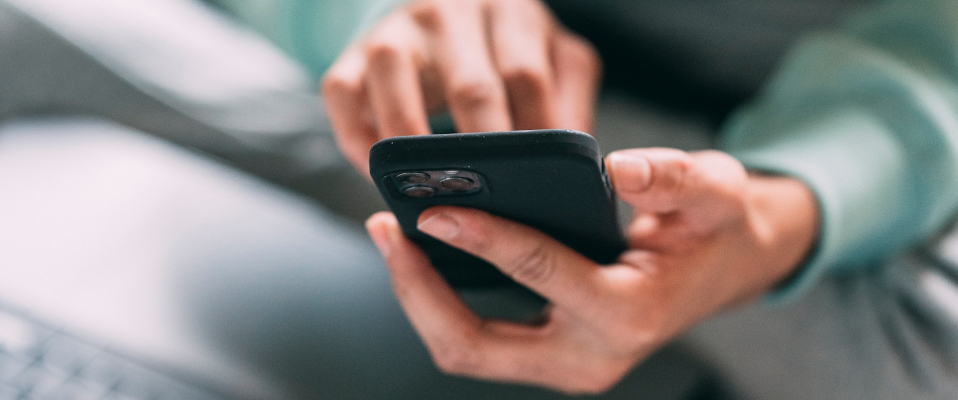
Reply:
x=663 y=180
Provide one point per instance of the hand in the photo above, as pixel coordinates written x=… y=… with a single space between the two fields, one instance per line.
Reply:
x=705 y=236
x=497 y=65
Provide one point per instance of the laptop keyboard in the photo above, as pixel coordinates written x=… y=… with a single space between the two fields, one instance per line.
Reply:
x=41 y=363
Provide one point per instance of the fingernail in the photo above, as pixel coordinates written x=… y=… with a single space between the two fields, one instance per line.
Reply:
x=440 y=226
x=630 y=173
x=381 y=239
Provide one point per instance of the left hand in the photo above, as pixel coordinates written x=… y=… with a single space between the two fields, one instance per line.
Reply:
x=496 y=65
x=706 y=235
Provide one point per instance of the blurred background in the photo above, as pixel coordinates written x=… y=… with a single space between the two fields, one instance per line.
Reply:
x=171 y=199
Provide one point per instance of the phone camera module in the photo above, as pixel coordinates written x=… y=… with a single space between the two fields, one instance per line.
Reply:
x=413 y=177
x=436 y=183
x=419 y=191
x=458 y=183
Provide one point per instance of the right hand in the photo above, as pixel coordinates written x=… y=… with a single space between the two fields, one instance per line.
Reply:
x=496 y=65
x=706 y=236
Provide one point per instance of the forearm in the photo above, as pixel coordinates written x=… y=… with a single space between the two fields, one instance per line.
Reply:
x=866 y=117
x=783 y=218
x=705 y=235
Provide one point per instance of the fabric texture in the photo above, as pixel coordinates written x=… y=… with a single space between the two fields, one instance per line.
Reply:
x=314 y=32
x=865 y=112
x=867 y=116
x=881 y=330
x=201 y=81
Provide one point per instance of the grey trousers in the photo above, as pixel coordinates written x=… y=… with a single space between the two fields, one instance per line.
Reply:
x=307 y=299
x=301 y=293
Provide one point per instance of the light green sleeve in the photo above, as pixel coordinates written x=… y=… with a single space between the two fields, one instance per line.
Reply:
x=313 y=32
x=868 y=117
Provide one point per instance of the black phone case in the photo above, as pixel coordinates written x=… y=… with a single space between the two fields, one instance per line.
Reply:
x=552 y=180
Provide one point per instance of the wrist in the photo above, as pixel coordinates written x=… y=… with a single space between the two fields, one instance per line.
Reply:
x=783 y=219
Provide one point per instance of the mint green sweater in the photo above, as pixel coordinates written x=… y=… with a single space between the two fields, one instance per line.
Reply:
x=312 y=31
x=866 y=114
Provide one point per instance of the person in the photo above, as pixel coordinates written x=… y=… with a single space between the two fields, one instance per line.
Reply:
x=841 y=165
x=847 y=158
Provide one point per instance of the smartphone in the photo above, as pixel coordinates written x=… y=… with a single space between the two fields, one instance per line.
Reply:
x=551 y=180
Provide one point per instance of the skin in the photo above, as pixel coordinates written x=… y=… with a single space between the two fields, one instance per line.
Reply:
x=496 y=65
x=706 y=234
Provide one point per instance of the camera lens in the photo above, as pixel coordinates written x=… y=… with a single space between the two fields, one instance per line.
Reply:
x=419 y=191
x=457 y=183
x=413 y=177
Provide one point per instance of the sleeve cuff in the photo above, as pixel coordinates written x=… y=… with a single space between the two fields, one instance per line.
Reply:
x=376 y=12
x=853 y=165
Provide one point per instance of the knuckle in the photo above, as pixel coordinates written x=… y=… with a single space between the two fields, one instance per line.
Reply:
x=535 y=266
x=583 y=54
x=527 y=78
x=427 y=14
x=589 y=57
x=456 y=358
x=336 y=84
x=681 y=161
x=493 y=7
x=676 y=171
x=483 y=239
x=398 y=118
x=384 y=50
x=473 y=93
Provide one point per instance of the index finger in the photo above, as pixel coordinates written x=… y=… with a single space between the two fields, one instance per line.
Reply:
x=461 y=343
x=395 y=89
x=519 y=33
x=346 y=100
x=531 y=258
x=418 y=286
x=474 y=91
x=578 y=71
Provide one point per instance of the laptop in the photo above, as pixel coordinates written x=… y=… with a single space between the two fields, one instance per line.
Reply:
x=103 y=291
x=113 y=243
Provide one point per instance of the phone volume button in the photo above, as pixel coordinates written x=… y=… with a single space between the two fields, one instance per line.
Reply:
x=605 y=175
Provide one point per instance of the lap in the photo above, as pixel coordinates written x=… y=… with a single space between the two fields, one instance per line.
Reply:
x=316 y=308
x=887 y=333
